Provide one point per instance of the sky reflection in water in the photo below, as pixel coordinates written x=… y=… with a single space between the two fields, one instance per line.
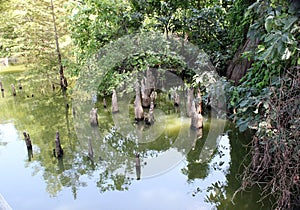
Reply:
x=25 y=188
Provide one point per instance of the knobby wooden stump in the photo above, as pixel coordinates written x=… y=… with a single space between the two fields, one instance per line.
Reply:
x=138 y=109
x=199 y=102
x=147 y=87
x=150 y=120
x=190 y=99
x=176 y=99
x=196 y=118
x=28 y=145
x=145 y=93
x=153 y=96
x=114 y=102
x=27 y=140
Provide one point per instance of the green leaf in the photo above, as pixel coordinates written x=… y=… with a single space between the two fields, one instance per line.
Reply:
x=267 y=53
x=285 y=38
x=286 y=55
x=269 y=23
x=288 y=23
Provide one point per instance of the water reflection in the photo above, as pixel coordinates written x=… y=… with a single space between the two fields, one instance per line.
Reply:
x=212 y=172
x=105 y=159
x=138 y=166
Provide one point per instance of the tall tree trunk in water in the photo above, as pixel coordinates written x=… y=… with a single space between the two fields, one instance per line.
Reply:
x=63 y=80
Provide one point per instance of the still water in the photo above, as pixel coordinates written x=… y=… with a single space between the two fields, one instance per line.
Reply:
x=180 y=169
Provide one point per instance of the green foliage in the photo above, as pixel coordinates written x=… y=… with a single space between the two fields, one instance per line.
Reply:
x=267 y=98
x=278 y=31
x=95 y=23
x=239 y=22
x=124 y=71
x=27 y=33
x=206 y=24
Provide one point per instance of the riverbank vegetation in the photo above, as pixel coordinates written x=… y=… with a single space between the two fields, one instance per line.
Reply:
x=253 y=45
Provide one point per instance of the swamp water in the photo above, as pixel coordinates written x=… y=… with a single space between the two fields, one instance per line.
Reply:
x=178 y=170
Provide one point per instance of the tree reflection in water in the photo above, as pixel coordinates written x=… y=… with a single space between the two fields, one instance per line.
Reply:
x=113 y=164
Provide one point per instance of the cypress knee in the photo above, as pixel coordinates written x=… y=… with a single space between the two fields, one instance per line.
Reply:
x=196 y=118
x=114 y=102
x=138 y=109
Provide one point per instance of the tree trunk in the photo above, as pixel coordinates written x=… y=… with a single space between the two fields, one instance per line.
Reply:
x=63 y=80
x=238 y=66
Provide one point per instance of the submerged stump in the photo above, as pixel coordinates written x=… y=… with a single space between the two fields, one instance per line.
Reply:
x=196 y=118
x=138 y=109
x=190 y=99
x=153 y=96
x=176 y=99
x=28 y=145
x=199 y=102
x=150 y=118
x=145 y=91
x=27 y=140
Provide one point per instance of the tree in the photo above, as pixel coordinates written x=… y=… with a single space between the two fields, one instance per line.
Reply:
x=94 y=23
x=31 y=30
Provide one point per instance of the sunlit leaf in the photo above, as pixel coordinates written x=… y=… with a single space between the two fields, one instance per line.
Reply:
x=286 y=55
